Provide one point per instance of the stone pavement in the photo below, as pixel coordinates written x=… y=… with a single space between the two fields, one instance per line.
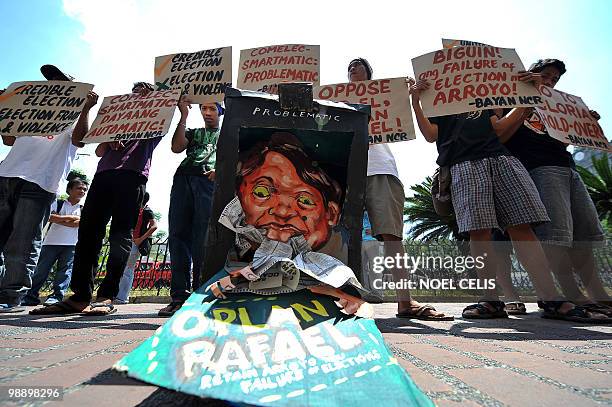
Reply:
x=522 y=361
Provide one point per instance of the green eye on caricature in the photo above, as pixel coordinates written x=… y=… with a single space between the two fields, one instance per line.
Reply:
x=261 y=191
x=306 y=200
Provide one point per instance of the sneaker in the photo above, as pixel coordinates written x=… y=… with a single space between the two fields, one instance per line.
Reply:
x=8 y=308
x=170 y=309
x=51 y=301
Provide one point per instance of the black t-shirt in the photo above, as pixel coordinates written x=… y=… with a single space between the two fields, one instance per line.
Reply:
x=476 y=139
x=532 y=145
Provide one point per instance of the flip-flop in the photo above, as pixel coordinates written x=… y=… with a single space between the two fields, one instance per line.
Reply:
x=576 y=314
x=100 y=309
x=60 y=308
x=419 y=313
x=484 y=312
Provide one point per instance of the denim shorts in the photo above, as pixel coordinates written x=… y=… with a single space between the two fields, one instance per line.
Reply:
x=573 y=217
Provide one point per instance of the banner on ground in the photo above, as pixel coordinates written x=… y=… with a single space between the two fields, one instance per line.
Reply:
x=41 y=108
x=133 y=117
x=293 y=349
x=446 y=43
x=202 y=76
x=391 y=116
x=264 y=67
x=567 y=118
x=465 y=79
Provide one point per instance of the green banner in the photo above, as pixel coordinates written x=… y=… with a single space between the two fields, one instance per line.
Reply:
x=294 y=349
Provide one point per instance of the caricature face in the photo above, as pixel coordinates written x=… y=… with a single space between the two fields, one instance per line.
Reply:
x=275 y=198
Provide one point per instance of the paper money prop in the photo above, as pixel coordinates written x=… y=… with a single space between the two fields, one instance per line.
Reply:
x=293 y=349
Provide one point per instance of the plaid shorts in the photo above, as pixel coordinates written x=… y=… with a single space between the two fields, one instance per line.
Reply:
x=494 y=192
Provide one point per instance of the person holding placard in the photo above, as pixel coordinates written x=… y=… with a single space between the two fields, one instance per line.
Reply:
x=384 y=203
x=574 y=229
x=191 y=200
x=491 y=189
x=116 y=192
x=29 y=179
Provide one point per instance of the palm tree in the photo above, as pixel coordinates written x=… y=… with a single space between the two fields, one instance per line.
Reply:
x=426 y=223
x=599 y=185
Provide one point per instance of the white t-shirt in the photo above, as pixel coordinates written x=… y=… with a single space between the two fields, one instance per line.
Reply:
x=41 y=160
x=381 y=160
x=60 y=235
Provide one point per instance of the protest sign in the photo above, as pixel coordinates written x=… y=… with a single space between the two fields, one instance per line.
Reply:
x=260 y=68
x=465 y=79
x=446 y=43
x=391 y=116
x=133 y=116
x=293 y=349
x=567 y=118
x=41 y=108
x=202 y=76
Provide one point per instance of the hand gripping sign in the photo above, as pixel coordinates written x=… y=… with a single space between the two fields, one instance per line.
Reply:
x=133 y=117
x=465 y=79
x=202 y=76
x=262 y=68
x=41 y=108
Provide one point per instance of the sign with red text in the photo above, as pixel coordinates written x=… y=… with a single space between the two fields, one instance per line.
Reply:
x=464 y=79
x=41 y=108
x=391 y=115
x=133 y=117
x=567 y=118
x=446 y=43
x=202 y=76
x=264 y=67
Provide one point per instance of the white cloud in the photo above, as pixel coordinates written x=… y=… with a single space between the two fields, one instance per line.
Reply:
x=125 y=36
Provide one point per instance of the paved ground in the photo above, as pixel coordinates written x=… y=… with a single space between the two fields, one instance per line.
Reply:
x=523 y=361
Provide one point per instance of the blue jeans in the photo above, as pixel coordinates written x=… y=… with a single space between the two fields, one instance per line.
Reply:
x=24 y=210
x=125 y=285
x=190 y=206
x=64 y=256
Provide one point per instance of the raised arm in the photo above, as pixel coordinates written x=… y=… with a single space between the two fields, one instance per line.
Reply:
x=429 y=130
x=82 y=126
x=179 y=140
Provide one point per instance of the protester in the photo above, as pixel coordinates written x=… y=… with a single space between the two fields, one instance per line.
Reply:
x=29 y=179
x=574 y=229
x=191 y=200
x=141 y=246
x=58 y=244
x=384 y=203
x=490 y=189
x=116 y=192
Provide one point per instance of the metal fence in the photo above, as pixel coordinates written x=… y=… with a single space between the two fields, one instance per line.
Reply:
x=152 y=274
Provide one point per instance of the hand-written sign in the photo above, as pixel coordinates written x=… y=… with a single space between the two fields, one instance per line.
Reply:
x=567 y=118
x=391 y=116
x=285 y=350
x=263 y=67
x=202 y=76
x=42 y=108
x=465 y=79
x=133 y=116
x=446 y=43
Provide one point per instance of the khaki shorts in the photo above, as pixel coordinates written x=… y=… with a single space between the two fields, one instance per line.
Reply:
x=384 y=202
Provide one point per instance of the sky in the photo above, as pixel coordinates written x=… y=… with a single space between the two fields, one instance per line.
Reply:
x=113 y=43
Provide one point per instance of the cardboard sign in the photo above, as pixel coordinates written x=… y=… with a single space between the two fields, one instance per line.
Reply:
x=260 y=68
x=288 y=350
x=465 y=79
x=567 y=118
x=133 y=117
x=391 y=117
x=41 y=108
x=446 y=43
x=202 y=76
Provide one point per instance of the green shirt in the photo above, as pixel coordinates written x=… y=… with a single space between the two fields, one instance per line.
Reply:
x=201 y=151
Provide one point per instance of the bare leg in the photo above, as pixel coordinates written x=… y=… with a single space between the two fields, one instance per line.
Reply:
x=503 y=272
x=481 y=246
x=560 y=263
x=584 y=265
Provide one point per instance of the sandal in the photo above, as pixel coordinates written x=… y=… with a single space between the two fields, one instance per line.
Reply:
x=484 y=312
x=100 y=309
x=420 y=313
x=598 y=308
x=60 y=308
x=578 y=314
x=516 y=308
x=170 y=309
